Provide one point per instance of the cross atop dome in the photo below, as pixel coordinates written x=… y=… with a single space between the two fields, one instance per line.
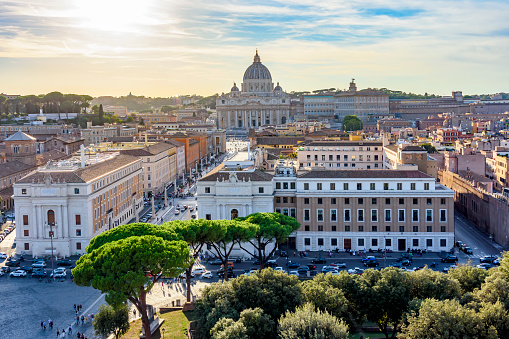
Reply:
x=256 y=57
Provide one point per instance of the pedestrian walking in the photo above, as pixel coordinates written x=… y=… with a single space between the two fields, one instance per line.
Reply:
x=42 y=324
x=134 y=312
x=82 y=320
x=75 y=307
x=69 y=330
x=50 y=322
x=63 y=333
x=58 y=333
x=79 y=335
x=92 y=317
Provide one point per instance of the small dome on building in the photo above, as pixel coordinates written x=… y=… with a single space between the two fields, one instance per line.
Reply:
x=235 y=88
x=278 y=88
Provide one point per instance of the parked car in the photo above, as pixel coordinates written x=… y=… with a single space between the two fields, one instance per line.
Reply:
x=448 y=268
x=396 y=264
x=39 y=264
x=58 y=273
x=450 y=258
x=2 y=273
x=467 y=250
x=216 y=262
x=28 y=269
x=64 y=262
x=271 y=263
x=356 y=270
x=221 y=271
x=294 y=273
x=368 y=258
x=39 y=273
x=18 y=273
x=206 y=275
x=311 y=266
x=278 y=268
x=293 y=264
x=459 y=244
x=3 y=255
x=406 y=263
x=177 y=212
x=319 y=261
x=13 y=263
x=6 y=269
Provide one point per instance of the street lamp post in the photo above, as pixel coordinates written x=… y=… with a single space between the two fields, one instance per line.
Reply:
x=51 y=241
x=163 y=332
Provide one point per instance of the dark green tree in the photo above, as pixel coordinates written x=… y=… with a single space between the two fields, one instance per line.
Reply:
x=352 y=123
x=128 y=268
x=227 y=328
x=308 y=323
x=469 y=277
x=236 y=232
x=252 y=324
x=111 y=320
x=196 y=233
x=427 y=283
x=272 y=228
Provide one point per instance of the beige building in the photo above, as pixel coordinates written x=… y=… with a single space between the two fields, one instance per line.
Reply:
x=156 y=166
x=70 y=202
x=366 y=209
x=21 y=147
x=10 y=173
x=364 y=104
x=256 y=103
x=408 y=157
x=336 y=155
x=106 y=132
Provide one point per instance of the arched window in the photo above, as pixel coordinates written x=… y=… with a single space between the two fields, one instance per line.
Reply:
x=234 y=214
x=51 y=217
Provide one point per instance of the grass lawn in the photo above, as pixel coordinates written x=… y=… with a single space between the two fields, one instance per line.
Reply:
x=175 y=326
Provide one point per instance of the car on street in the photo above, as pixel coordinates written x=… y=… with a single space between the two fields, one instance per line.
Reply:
x=2 y=273
x=206 y=275
x=58 y=273
x=484 y=266
x=28 y=269
x=467 y=250
x=18 y=273
x=327 y=269
x=279 y=268
x=368 y=258
x=450 y=258
x=488 y=259
x=396 y=264
x=183 y=275
x=199 y=270
x=271 y=263
x=13 y=263
x=356 y=270
x=39 y=264
x=3 y=255
x=177 y=212
x=303 y=270
x=406 y=263
x=339 y=265
x=448 y=268
x=371 y=263
x=319 y=261
x=459 y=244
x=6 y=269
x=64 y=262
x=294 y=273
x=292 y=264
x=311 y=266
x=220 y=271
x=40 y=273
x=191 y=208
x=216 y=262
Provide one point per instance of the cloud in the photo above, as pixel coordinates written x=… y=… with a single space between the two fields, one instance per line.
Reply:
x=304 y=42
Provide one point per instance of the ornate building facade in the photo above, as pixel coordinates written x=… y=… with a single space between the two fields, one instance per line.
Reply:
x=257 y=103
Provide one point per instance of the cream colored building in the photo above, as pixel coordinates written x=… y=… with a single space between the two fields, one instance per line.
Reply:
x=364 y=104
x=256 y=103
x=74 y=200
x=409 y=157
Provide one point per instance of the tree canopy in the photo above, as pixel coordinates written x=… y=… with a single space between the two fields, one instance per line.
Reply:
x=271 y=228
x=352 y=123
x=111 y=320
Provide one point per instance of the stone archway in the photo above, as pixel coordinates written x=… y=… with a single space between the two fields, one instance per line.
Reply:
x=283 y=120
x=234 y=214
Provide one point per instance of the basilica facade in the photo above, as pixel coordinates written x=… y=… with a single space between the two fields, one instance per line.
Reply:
x=256 y=103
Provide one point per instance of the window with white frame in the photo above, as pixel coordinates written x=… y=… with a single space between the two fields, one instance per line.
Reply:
x=401 y=215
x=429 y=215
x=319 y=214
x=347 y=216
x=333 y=215
x=360 y=215
x=374 y=215
x=415 y=215
x=443 y=215
x=388 y=215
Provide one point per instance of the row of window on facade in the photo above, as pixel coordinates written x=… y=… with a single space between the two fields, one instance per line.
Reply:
x=361 y=242
x=51 y=219
x=347 y=217
x=372 y=186
x=346 y=164
x=374 y=228
x=345 y=157
x=27 y=246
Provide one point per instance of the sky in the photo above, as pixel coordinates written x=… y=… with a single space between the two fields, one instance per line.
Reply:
x=163 y=48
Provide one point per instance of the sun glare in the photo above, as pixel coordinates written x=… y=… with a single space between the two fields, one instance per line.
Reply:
x=114 y=15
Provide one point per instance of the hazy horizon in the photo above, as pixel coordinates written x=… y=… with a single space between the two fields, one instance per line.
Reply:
x=165 y=48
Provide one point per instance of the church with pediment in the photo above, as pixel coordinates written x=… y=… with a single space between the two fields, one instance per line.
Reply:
x=256 y=103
